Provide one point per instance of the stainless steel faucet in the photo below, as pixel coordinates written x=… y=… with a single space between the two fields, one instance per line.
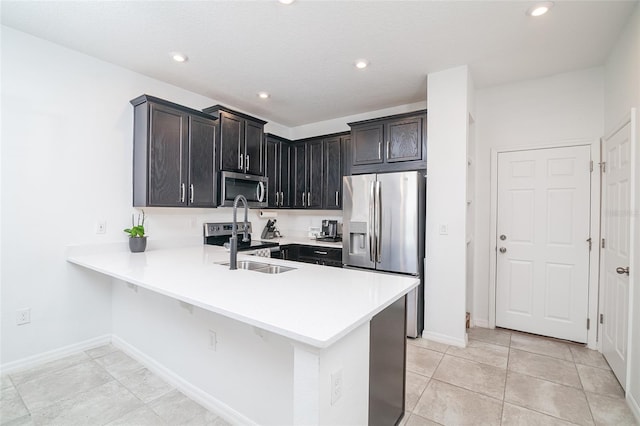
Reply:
x=233 y=241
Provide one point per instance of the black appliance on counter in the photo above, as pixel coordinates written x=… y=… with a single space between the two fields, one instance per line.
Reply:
x=329 y=231
x=218 y=233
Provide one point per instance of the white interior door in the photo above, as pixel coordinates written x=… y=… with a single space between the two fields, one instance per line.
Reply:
x=616 y=233
x=542 y=267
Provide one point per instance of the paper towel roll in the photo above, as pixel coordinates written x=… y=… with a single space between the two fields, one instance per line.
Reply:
x=267 y=214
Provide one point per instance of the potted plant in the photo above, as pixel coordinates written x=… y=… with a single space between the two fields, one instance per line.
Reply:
x=137 y=239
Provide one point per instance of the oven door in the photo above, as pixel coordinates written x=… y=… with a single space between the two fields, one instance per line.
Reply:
x=254 y=188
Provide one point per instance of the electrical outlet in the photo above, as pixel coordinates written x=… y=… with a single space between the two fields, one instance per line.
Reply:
x=23 y=316
x=101 y=227
x=336 y=386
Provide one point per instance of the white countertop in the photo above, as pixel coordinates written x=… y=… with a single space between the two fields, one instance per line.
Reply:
x=312 y=304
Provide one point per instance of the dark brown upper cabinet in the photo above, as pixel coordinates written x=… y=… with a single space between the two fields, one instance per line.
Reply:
x=277 y=169
x=387 y=144
x=173 y=155
x=306 y=174
x=334 y=158
x=240 y=141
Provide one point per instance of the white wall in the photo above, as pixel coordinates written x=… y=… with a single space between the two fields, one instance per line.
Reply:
x=622 y=92
x=66 y=164
x=445 y=270
x=558 y=109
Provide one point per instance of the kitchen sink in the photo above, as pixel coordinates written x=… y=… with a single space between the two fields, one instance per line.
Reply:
x=265 y=268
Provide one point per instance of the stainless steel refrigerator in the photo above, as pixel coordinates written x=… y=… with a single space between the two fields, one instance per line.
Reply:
x=383 y=230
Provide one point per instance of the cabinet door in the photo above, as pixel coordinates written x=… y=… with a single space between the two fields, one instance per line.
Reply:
x=272 y=163
x=332 y=174
x=298 y=176
x=345 y=145
x=285 y=173
x=366 y=142
x=231 y=141
x=314 y=174
x=253 y=147
x=202 y=137
x=404 y=140
x=167 y=157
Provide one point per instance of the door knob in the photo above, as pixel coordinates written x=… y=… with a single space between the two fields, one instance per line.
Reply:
x=622 y=270
x=503 y=250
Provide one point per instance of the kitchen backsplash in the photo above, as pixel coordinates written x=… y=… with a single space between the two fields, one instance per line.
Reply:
x=170 y=223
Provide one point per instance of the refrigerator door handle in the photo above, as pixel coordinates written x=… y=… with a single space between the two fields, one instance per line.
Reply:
x=378 y=221
x=372 y=225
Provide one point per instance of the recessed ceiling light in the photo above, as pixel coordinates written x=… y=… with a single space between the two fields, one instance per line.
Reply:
x=263 y=95
x=362 y=63
x=286 y=1
x=179 y=57
x=540 y=9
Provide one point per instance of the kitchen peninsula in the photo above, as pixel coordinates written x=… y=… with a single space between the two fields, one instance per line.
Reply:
x=270 y=349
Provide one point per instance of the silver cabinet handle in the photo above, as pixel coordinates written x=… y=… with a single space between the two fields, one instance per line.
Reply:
x=191 y=193
x=182 y=192
x=388 y=152
x=247 y=162
x=281 y=199
x=277 y=196
x=320 y=252
x=308 y=199
x=337 y=194
x=240 y=159
x=503 y=250
x=379 y=149
x=620 y=270
x=304 y=195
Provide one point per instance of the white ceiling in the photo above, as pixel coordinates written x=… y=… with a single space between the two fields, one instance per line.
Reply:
x=303 y=54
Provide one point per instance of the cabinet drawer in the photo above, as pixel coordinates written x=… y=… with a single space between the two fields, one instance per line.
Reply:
x=328 y=256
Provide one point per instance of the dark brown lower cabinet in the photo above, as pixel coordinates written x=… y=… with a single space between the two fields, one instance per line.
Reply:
x=387 y=354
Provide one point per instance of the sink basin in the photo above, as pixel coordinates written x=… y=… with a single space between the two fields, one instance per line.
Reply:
x=275 y=269
x=265 y=268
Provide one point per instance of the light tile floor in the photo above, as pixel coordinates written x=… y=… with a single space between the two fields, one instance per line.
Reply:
x=510 y=378
x=500 y=378
x=102 y=386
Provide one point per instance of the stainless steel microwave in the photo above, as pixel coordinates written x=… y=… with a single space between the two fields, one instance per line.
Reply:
x=253 y=187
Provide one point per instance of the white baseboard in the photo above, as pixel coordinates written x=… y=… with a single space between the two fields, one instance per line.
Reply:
x=55 y=354
x=447 y=340
x=481 y=323
x=193 y=392
x=634 y=406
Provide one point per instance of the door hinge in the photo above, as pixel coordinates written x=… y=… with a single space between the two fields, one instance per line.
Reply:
x=601 y=318
x=603 y=166
x=588 y=323
x=591 y=165
x=603 y=243
x=589 y=241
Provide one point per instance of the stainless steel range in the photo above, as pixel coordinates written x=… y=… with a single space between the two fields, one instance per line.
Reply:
x=218 y=234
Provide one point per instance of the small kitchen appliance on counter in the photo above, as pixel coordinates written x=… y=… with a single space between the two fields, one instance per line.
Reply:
x=218 y=233
x=270 y=231
x=329 y=231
